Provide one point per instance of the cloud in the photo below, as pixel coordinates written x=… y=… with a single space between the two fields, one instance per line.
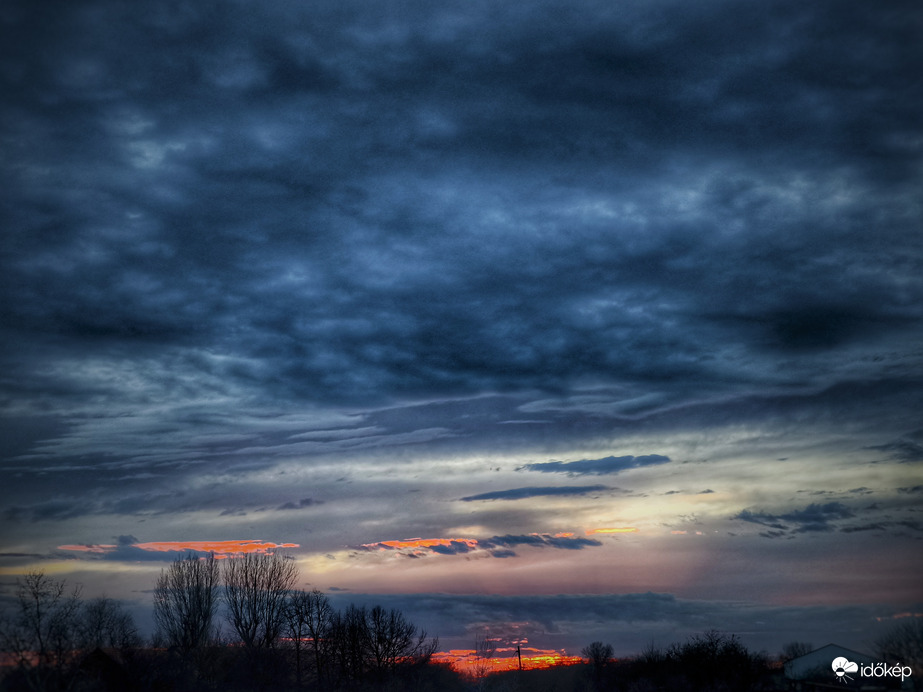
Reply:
x=168 y=550
x=496 y=546
x=443 y=545
x=813 y=518
x=626 y=529
x=664 y=618
x=603 y=466
x=907 y=450
x=565 y=542
x=341 y=253
x=301 y=504
x=523 y=493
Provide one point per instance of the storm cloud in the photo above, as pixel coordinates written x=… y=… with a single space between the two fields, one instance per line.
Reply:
x=523 y=493
x=598 y=466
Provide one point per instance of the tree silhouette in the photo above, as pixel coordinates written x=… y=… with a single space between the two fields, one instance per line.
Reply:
x=42 y=635
x=185 y=601
x=484 y=650
x=391 y=639
x=104 y=624
x=795 y=650
x=308 y=616
x=256 y=589
x=599 y=656
x=904 y=644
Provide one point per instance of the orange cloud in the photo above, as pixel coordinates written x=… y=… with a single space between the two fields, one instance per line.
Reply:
x=221 y=549
x=625 y=529
x=472 y=543
x=498 y=546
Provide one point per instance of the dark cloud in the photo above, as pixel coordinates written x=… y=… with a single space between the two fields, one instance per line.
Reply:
x=564 y=542
x=813 y=518
x=228 y=197
x=908 y=449
x=301 y=504
x=597 y=466
x=497 y=546
x=453 y=548
x=523 y=493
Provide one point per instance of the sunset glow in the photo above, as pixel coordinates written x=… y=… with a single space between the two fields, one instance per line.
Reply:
x=466 y=661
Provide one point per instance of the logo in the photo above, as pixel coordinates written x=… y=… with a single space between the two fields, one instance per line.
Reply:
x=842 y=666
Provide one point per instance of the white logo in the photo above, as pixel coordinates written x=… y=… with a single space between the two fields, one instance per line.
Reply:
x=841 y=666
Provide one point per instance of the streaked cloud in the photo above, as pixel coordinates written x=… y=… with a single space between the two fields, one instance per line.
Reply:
x=524 y=493
x=814 y=517
x=496 y=546
x=606 y=465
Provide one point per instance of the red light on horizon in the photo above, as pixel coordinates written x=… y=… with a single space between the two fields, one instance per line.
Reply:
x=465 y=662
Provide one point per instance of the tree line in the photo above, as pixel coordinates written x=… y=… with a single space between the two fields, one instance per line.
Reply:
x=235 y=624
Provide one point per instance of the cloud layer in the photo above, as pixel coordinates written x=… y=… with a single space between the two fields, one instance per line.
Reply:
x=333 y=272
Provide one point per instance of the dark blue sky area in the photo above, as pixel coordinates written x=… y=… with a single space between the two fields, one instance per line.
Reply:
x=336 y=273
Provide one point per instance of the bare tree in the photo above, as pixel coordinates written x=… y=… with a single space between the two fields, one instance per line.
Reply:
x=599 y=656
x=904 y=644
x=347 y=643
x=103 y=623
x=185 y=600
x=484 y=650
x=308 y=617
x=392 y=639
x=256 y=589
x=795 y=650
x=41 y=635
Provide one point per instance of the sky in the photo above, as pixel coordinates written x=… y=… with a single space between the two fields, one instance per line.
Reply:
x=560 y=322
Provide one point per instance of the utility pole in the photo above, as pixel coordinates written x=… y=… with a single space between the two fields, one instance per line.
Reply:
x=519 y=655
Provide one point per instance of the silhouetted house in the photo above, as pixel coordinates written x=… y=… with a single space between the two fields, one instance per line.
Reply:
x=814 y=671
x=104 y=671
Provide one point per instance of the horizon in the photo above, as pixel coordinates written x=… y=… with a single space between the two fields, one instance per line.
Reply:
x=553 y=324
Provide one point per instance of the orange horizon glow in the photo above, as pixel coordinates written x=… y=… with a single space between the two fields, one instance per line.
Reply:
x=625 y=529
x=220 y=549
x=466 y=662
